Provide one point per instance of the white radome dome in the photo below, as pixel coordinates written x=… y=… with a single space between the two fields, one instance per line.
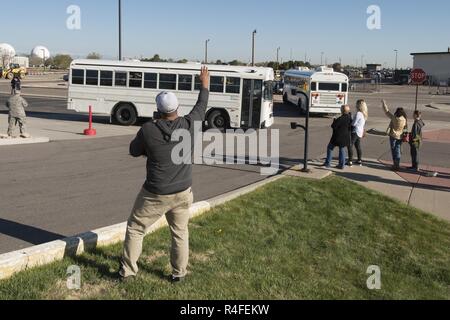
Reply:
x=40 y=52
x=7 y=50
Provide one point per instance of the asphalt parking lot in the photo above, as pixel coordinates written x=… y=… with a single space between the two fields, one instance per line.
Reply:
x=73 y=184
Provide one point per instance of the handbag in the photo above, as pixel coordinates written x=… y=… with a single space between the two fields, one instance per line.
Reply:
x=406 y=135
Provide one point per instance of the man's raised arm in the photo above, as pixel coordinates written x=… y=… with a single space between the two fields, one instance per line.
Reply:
x=199 y=111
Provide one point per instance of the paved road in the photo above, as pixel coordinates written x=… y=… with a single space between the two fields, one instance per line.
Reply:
x=64 y=188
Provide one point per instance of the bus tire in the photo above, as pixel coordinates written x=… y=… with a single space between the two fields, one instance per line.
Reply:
x=302 y=104
x=218 y=120
x=125 y=114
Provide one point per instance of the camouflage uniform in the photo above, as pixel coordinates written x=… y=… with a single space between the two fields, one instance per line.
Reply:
x=16 y=105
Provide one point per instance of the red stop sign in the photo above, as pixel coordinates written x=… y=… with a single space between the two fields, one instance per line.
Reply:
x=418 y=76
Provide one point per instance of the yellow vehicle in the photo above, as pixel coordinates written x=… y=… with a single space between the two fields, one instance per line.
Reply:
x=13 y=70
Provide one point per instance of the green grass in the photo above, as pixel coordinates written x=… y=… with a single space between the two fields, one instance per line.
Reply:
x=293 y=239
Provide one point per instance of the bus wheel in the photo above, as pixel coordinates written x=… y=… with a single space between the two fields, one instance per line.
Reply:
x=125 y=115
x=217 y=120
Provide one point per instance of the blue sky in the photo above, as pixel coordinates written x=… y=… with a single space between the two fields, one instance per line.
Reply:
x=178 y=29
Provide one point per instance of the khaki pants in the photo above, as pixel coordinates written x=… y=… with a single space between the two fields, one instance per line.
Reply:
x=148 y=209
x=13 y=122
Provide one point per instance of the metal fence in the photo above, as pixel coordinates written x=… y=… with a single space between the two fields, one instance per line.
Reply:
x=366 y=85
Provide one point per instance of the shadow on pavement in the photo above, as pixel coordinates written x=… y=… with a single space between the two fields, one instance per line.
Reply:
x=26 y=233
x=285 y=110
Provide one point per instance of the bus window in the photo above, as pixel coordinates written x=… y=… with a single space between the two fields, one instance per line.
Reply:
x=92 y=77
x=135 y=80
x=185 y=82
x=168 y=81
x=150 y=80
x=217 y=84
x=268 y=90
x=329 y=87
x=121 y=79
x=198 y=83
x=106 y=78
x=77 y=76
x=344 y=87
x=233 y=85
x=313 y=86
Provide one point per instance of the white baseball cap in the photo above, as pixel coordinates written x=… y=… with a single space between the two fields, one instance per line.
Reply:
x=167 y=102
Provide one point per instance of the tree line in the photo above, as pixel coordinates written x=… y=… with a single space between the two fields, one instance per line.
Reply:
x=63 y=61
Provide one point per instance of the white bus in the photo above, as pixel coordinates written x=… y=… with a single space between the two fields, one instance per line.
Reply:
x=323 y=90
x=240 y=97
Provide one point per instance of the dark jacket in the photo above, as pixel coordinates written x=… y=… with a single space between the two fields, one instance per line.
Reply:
x=154 y=141
x=16 y=84
x=416 y=133
x=342 y=128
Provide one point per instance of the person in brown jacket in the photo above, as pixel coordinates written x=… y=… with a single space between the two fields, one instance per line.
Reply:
x=397 y=128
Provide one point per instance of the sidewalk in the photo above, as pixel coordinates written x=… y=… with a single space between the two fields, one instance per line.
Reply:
x=62 y=130
x=431 y=194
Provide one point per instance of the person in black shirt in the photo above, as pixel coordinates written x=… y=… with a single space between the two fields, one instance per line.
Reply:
x=342 y=128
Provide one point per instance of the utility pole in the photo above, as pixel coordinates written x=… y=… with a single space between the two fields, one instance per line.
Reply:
x=120 y=30
x=43 y=58
x=396 y=58
x=321 y=58
x=278 y=55
x=253 y=47
x=206 y=51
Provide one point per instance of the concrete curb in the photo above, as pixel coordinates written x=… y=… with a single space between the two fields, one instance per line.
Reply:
x=38 y=96
x=20 y=141
x=45 y=87
x=21 y=260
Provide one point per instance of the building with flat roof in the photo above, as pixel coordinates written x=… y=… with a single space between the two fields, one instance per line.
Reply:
x=374 y=67
x=435 y=64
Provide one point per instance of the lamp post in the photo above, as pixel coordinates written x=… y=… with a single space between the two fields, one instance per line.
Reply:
x=120 y=30
x=321 y=58
x=43 y=58
x=278 y=55
x=253 y=47
x=206 y=51
x=396 y=59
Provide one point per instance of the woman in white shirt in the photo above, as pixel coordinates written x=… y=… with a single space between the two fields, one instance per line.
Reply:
x=358 y=131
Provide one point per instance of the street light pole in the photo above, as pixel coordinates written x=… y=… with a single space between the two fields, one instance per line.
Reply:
x=120 y=30
x=206 y=51
x=278 y=55
x=253 y=47
x=321 y=58
x=43 y=58
x=396 y=58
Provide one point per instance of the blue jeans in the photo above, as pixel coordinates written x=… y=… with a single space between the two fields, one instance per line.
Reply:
x=396 y=149
x=342 y=155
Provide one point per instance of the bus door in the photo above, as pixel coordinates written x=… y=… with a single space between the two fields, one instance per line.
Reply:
x=251 y=103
